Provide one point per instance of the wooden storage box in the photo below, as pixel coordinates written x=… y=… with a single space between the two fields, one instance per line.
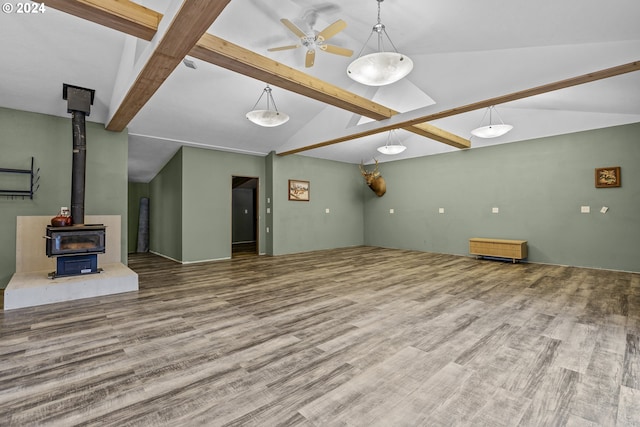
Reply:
x=500 y=248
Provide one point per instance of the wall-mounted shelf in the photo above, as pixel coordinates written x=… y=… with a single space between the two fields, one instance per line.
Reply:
x=34 y=179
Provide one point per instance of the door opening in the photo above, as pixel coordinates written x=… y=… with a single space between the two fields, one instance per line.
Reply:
x=244 y=216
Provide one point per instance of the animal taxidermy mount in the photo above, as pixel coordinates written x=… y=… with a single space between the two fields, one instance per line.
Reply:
x=374 y=180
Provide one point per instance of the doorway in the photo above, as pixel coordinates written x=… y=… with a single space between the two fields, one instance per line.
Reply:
x=244 y=216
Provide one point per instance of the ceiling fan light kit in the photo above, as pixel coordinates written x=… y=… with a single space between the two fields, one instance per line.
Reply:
x=315 y=40
x=269 y=117
x=391 y=147
x=491 y=130
x=380 y=68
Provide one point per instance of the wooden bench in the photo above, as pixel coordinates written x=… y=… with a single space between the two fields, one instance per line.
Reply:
x=499 y=248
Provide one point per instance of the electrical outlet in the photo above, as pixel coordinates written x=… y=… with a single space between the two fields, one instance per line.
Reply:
x=327 y=210
x=391 y=211
x=495 y=210
x=440 y=210
x=585 y=209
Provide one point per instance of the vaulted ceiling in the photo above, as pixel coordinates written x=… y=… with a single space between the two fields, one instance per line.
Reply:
x=552 y=67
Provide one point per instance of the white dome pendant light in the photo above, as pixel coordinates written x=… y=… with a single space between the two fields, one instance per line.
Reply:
x=269 y=117
x=491 y=130
x=392 y=147
x=380 y=68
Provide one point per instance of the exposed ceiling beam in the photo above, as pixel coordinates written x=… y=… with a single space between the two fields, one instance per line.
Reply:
x=122 y=15
x=125 y=16
x=227 y=55
x=189 y=24
x=538 y=90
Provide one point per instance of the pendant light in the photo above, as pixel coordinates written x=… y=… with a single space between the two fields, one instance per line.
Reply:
x=392 y=147
x=269 y=117
x=380 y=68
x=491 y=130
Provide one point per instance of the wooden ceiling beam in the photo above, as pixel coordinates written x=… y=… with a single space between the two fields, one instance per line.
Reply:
x=122 y=15
x=125 y=16
x=526 y=93
x=130 y=18
x=227 y=55
x=189 y=24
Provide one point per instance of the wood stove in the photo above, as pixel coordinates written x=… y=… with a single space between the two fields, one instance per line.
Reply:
x=76 y=248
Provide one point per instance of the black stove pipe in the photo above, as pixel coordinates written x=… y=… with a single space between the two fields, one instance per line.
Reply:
x=79 y=101
x=78 y=167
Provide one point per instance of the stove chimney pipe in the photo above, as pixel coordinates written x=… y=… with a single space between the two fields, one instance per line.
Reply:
x=79 y=101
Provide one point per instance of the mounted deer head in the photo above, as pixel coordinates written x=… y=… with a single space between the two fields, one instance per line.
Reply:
x=374 y=180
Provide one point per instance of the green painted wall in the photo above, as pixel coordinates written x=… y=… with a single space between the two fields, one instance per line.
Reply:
x=538 y=186
x=305 y=226
x=206 y=203
x=200 y=182
x=137 y=190
x=49 y=140
x=165 y=210
x=268 y=235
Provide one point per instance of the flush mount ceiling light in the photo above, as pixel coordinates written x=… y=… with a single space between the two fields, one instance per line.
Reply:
x=269 y=117
x=392 y=147
x=491 y=130
x=380 y=68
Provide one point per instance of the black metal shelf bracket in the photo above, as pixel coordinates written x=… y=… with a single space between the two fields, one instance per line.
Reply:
x=34 y=182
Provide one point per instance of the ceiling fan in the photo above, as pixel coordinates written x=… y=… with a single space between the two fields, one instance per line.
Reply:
x=315 y=40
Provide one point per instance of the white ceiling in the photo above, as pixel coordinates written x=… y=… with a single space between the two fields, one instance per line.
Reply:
x=463 y=51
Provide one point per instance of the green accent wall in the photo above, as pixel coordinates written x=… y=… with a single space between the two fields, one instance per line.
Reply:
x=266 y=233
x=191 y=204
x=49 y=140
x=305 y=226
x=538 y=186
x=207 y=180
x=165 y=210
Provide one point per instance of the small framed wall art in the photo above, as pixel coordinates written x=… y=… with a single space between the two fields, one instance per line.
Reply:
x=608 y=177
x=298 y=190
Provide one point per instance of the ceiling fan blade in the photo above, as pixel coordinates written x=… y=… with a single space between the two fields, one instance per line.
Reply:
x=291 y=46
x=332 y=30
x=294 y=29
x=336 y=49
x=310 y=58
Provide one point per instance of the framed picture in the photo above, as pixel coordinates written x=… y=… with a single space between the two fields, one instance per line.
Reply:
x=298 y=190
x=608 y=177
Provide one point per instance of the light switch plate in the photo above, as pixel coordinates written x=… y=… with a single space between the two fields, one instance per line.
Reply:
x=604 y=209
x=327 y=210
x=391 y=210
x=440 y=210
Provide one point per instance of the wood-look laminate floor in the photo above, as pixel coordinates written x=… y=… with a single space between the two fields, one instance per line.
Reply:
x=348 y=337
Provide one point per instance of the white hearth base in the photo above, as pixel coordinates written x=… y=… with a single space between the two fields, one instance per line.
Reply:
x=29 y=289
